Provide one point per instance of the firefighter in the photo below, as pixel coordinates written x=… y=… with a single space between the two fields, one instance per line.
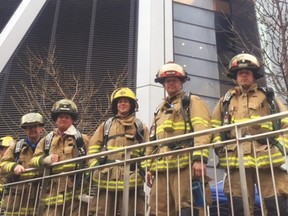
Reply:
x=5 y=142
x=173 y=118
x=63 y=143
x=15 y=162
x=248 y=101
x=123 y=129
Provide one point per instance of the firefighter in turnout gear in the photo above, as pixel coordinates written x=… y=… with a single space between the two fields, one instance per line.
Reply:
x=177 y=114
x=5 y=142
x=14 y=164
x=244 y=102
x=123 y=129
x=63 y=143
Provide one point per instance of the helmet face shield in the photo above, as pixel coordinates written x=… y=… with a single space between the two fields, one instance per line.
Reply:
x=32 y=119
x=171 y=70
x=244 y=61
x=126 y=93
x=64 y=106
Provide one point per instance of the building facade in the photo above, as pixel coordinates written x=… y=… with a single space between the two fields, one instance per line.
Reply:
x=97 y=40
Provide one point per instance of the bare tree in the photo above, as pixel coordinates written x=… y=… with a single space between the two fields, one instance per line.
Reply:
x=49 y=82
x=272 y=26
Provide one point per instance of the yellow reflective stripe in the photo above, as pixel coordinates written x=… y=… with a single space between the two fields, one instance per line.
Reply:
x=204 y=153
x=164 y=164
x=283 y=141
x=135 y=152
x=64 y=167
x=117 y=185
x=59 y=199
x=28 y=174
x=9 y=165
x=146 y=163
x=267 y=125
x=249 y=161
x=199 y=120
x=216 y=123
x=94 y=149
x=239 y=120
x=94 y=163
x=216 y=139
x=36 y=160
x=171 y=124
x=52 y=200
x=284 y=120
x=22 y=211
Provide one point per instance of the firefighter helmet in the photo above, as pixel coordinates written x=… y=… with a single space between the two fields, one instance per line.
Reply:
x=6 y=141
x=171 y=69
x=64 y=106
x=32 y=118
x=124 y=92
x=244 y=61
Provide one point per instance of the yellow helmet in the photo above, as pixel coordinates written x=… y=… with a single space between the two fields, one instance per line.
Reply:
x=171 y=69
x=244 y=61
x=32 y=118
x=64 y=106
x=127 y=93
x=6 y=141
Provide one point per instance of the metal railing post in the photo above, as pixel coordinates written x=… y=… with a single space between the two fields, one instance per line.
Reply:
x=125 y=204
x=242 y=172
x=46 y=172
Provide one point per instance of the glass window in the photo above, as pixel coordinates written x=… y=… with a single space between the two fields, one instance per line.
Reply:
x=207 y=4
x=192 y=48
x=203 y=86
x=193 y=15
x=193 y=32
x=198 y=67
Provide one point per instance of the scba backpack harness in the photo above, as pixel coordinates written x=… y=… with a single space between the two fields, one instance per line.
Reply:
x=107 y=125
x=185 y=112
x=139 y=137
x=273 y=106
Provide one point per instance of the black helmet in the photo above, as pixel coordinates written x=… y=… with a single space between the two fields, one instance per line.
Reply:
x=64 y=106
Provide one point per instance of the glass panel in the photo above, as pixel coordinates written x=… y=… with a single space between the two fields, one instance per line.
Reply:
x=193 y=32
x=192 y=48
x=207 y=4
x=198 y=67
x=193 y=15
x=203 y=86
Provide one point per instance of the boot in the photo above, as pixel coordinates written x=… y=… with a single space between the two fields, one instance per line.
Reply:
x=237 y=206
x=187 y=212
x=270 y=204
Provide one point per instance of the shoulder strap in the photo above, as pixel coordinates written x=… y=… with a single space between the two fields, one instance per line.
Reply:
x=225 y=114
x=80 y=143
x=185 y=110
x=152 y=131
x=226 y=118
x=78 y=140
x=140 y=130
x=48 y=140
x=273 y=106
x=17 y=151
x=106 y=128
